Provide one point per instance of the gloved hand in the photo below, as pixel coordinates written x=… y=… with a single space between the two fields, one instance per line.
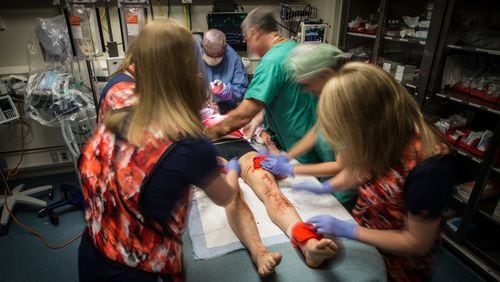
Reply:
x=332 y=226
x=216 y=86
x=325 y=187
x=277 y=165
x=263 y=152
x=233 y=165
x=222 y=91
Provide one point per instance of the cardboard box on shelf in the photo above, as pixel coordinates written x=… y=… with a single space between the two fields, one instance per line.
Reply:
x=390 y=67
x=404 y=73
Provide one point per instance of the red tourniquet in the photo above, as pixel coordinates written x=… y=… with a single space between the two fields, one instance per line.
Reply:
x=256 y=164
x=302 y=232
x=257 y=160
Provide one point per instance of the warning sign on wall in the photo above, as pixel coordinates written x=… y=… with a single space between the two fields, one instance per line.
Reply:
x=132 y=24
x=76 y=28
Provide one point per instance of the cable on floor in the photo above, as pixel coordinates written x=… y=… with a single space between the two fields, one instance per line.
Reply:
x=8 y=192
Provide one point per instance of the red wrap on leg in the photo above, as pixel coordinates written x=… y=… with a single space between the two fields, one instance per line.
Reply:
x=256 y=165
x=257 y=160
x=302 y=232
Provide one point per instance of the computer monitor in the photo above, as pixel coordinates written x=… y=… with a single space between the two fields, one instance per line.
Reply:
x=313 y=33
x=229 y=24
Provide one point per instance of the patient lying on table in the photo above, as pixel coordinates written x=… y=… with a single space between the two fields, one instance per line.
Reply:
x=314 y=247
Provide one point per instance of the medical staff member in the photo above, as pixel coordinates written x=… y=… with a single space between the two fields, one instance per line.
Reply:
x=224 y=70
x=312 y=66
x=399 y=210
x=289 y=112
x=137 y=168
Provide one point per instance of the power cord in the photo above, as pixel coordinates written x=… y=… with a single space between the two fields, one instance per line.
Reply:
x=15 y=170
x=8 y=192
x=158 y=4
x=103 y=14
x=32 y=231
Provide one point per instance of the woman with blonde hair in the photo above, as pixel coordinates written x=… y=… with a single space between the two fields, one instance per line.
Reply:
x=377 y=128
x=138 y=166
x=312 y=66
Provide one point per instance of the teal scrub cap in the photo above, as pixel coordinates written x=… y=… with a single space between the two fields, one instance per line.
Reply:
x=307 y=60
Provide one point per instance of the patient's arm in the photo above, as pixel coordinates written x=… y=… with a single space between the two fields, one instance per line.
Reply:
x=270 y=146
x=281 y=211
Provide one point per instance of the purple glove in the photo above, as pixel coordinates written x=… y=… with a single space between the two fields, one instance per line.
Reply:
x=332 y=226
x=324 y=188
x=216 y=86
x=222 y=91
x=263 y=152
x=277 y=165
x=233 y=165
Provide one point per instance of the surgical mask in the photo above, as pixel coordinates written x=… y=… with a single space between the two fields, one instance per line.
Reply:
x=211 y=61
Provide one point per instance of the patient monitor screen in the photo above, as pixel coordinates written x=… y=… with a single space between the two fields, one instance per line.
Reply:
x=229 y=23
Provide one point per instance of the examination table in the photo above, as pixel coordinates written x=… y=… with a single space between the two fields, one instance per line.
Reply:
x=355 y=261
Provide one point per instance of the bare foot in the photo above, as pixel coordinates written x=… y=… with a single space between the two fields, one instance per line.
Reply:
x=316 y=252
x=266 y=262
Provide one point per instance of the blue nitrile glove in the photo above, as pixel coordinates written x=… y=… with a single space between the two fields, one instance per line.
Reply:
x=233 y=165
x=263 y=152
x=332 y=226
x=325 y=187
x=277 y=165
x=282 y=158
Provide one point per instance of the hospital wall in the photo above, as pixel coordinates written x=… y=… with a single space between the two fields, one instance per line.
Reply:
x=44 y=150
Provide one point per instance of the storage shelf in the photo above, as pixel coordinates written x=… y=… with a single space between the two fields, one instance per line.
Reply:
x=469 y=100
x=489 y=217
x=459 y=199
x=474 y=49
x=482 y=242
x=470 y=256
x=481 y=211
x=406 y=40
x=473 y=157
x=361 y=34
x=430 y=60
x=467 y=154
x=448 y=231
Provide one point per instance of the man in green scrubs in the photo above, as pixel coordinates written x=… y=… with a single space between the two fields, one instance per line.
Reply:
x=289 y=112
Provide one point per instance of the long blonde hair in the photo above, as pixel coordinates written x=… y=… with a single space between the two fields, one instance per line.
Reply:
x=166 y=69
x=366 y=114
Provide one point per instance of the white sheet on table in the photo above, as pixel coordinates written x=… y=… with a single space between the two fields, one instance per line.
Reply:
x=215 y=237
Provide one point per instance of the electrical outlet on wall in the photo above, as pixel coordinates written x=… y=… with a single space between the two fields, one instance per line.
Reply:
x=64 y=156
x=112 y=64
